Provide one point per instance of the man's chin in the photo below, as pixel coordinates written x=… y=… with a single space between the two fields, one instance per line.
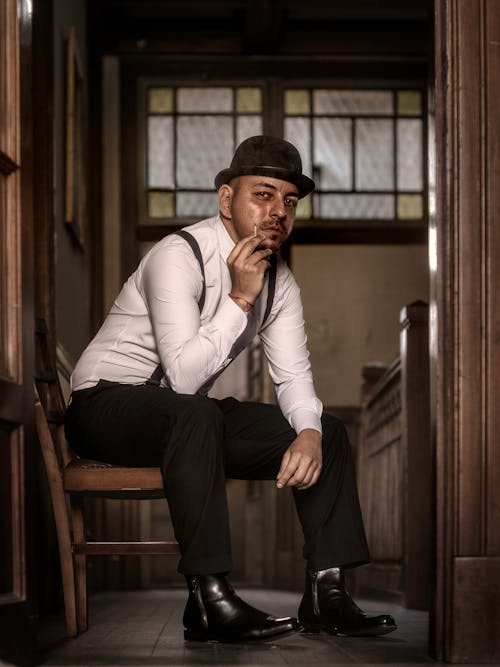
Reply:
x=270 y=244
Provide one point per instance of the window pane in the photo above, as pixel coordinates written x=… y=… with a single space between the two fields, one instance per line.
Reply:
x=298 y=131
x=203 y=204
x=247 y=126
x=358 y=102
x=374 y=155
x=160 y=152
x=204 y=147
x=410 y=175
x=161 y=204
x=248 y=100
x=297 y=102
x=353 y=206
x=332 y=153
x=304 y=208
x=409 y=103
x=160 y=100
x=410 y=207
x=204 y=99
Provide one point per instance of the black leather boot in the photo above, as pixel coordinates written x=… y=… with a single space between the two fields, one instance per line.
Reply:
x=326 y=605
x=215 y=613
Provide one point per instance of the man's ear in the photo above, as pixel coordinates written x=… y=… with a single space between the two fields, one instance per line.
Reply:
x=225 y=195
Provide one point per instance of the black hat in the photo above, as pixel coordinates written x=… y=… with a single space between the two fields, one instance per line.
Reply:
x=267 y=156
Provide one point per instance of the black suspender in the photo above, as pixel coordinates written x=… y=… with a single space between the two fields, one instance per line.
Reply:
x=158 y=372
x=197 y=253
x=271 y=287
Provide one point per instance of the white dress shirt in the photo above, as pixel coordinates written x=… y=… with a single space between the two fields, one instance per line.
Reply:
x=156 y=319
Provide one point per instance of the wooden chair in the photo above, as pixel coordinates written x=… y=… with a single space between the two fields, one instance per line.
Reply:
x=71 y=479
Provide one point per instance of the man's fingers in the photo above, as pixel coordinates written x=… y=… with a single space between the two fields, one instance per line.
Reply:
x=301 y=473
x=284 y=464
x=288 y=468
x=295 y=471
x=259 y=255
x=246 y=246
x=314 y=478
x=245 y=257
x=307 y=477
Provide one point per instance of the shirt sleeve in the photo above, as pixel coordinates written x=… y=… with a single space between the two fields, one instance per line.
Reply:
x=285 y=346
x=190 y=352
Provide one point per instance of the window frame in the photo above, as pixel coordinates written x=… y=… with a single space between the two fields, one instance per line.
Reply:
x=177 y=221
x=278 y=114
x=273 y=78
x=393 y=117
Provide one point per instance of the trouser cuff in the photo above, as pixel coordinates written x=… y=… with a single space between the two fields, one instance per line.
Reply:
x=220 y=564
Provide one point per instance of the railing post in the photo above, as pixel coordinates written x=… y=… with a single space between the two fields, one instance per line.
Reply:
x=416 y=455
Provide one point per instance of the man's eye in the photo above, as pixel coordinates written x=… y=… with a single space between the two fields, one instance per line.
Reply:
x=264 y=195
x=291 y=202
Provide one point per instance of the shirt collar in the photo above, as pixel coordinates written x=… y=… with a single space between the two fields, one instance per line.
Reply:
x=226 y=243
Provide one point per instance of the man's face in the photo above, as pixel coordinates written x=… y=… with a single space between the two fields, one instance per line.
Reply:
x=262 y=203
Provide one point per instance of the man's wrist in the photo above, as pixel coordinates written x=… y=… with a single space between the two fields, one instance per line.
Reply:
x=311 y=433
x=243 y=303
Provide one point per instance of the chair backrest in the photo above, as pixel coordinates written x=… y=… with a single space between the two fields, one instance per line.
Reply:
x=49 y=391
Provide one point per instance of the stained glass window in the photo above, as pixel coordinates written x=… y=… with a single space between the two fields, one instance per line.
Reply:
x=191 y=134
x=364 y=149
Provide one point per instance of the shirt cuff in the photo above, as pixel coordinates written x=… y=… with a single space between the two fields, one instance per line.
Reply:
x=229 y=319
x=303 y=418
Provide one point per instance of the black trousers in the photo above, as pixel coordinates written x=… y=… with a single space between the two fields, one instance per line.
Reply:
x=198 y=442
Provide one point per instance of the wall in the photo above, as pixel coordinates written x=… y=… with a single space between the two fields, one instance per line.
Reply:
x=71 y=275
x=352 y=296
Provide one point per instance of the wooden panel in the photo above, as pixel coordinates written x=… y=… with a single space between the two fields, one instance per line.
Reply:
x=471 y=454
x=12 y=572
x=13 y=579
x=379 y=480
x=9 y=192
x=9 y=91
x=492 y=21
x=10 y=316
x=6 y=569
x=477 y=587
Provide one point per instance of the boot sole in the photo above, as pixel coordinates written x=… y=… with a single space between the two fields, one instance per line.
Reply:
x=374 y=632
x=202 y=636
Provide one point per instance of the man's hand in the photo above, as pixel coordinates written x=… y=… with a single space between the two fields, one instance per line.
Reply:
x=247 y=267
x=302 y=461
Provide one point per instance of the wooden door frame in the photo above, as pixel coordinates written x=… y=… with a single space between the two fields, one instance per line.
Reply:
x=466 y=549
x=17 y=640
x=465 y=321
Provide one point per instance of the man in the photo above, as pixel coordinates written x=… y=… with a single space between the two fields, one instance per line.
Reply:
x=140 y=398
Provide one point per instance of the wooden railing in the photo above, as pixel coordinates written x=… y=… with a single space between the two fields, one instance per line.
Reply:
x=395 y=467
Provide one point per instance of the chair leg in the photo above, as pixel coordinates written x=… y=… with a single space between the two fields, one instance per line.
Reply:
x=80 y=561
x=61 y=520
x=67 y=573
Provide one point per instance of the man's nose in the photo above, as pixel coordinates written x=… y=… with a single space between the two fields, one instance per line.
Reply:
x=278 y=209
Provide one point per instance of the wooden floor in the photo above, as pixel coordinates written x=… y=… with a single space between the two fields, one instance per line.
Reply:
x=145 y=628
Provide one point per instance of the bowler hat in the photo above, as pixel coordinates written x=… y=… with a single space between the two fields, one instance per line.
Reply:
x=267 y=156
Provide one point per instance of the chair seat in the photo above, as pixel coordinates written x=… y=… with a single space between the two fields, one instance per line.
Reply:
x=96 y=477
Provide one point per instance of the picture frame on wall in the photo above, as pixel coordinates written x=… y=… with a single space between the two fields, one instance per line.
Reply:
x=75 y=175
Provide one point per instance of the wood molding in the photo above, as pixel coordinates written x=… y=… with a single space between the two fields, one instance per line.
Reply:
x=468 y=354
